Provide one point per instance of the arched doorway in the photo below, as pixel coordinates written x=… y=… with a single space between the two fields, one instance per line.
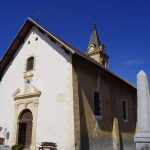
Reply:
x=25 y=128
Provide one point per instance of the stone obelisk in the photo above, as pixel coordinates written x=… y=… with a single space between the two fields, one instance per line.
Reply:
x=142 y=137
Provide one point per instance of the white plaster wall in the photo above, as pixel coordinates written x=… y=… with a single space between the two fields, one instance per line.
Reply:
x=53 y=76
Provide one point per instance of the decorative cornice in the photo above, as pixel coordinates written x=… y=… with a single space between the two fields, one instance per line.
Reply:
x=16 y=93
x=35 y=93
x=31 y=95
x=36 y=89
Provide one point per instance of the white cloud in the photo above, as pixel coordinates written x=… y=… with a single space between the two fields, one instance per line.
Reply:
x=133 y=62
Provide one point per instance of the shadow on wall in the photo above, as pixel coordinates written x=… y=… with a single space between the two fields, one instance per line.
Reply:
x=87 y=141
x=111 y=90
x=90 y=128
x=83 y=124
x=121 y=140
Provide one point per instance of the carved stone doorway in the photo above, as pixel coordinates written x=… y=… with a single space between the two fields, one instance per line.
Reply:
x=25 y=128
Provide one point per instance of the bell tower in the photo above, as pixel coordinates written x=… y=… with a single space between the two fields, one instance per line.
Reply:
x=96 y=48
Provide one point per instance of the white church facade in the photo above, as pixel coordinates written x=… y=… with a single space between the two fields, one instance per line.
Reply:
x=40 y=100
x=48 y=83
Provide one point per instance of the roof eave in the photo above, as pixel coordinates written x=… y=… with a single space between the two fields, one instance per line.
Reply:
x=55 y=38
x=14 y=45
x=19 y=38
x=28 y=24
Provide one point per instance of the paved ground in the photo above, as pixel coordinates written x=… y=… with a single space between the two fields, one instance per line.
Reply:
x=4 y=148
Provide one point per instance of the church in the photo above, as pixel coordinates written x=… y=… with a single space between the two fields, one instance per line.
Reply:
x=52 y=92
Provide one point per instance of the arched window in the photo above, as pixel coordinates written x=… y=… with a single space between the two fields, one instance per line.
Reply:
x=125 y=111
x=30 y=63
x=97 y=104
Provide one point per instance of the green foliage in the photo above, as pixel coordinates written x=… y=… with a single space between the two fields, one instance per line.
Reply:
x=15 y=147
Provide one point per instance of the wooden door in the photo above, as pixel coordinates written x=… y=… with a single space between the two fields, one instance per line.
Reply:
x=25 y=128
x=28 y=134
x=22 y=133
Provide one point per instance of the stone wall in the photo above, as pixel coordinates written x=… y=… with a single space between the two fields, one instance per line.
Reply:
x=112 y=91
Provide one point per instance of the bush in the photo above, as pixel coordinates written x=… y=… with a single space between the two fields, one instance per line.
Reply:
x=15 y=147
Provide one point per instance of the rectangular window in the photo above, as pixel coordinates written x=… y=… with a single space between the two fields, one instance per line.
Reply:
x=97 y=104
x=125 y=111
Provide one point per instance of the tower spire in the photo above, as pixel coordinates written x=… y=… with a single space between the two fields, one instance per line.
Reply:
x=96 y=48
x=95 y=40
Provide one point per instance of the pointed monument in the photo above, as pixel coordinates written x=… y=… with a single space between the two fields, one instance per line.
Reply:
x=142 y=137
x=96 y=48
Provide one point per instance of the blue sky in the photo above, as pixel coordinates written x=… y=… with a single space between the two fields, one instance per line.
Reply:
x=124 y=27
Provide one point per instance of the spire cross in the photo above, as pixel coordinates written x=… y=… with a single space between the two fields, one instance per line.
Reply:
x=38 y=15
x=94 y=20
